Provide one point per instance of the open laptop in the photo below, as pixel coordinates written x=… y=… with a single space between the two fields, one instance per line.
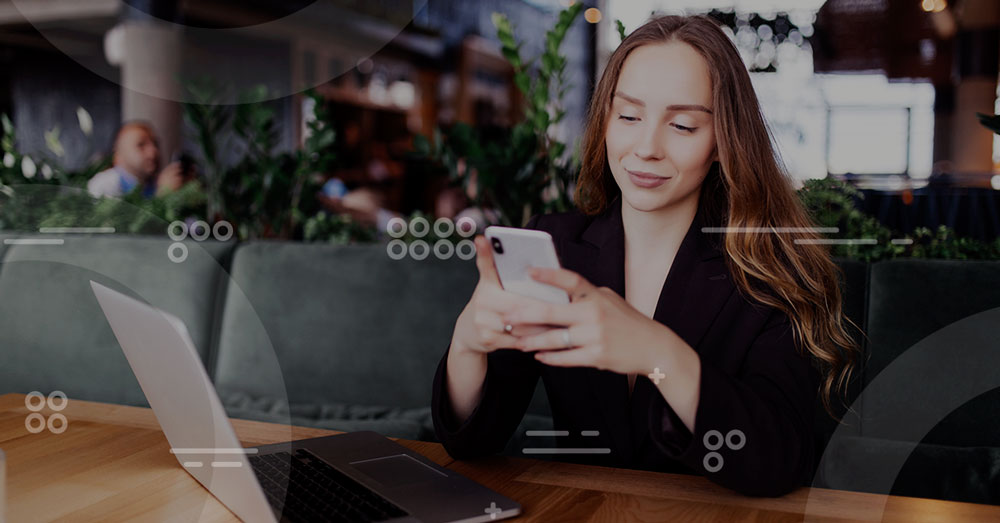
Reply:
x=358 y=476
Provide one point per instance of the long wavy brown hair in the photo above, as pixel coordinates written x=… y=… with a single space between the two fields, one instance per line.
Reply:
x=746 y=188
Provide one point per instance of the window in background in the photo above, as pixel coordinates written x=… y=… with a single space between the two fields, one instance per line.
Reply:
x=868 y=140
x=859 y=123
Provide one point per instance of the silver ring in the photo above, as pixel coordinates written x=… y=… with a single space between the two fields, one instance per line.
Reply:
x=566 y=342
x=508 y=328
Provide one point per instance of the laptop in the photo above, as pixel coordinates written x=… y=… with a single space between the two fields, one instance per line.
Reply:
x=357 y=476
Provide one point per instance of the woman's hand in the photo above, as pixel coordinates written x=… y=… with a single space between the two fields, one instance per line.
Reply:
x=481 y=328
x=599 y=329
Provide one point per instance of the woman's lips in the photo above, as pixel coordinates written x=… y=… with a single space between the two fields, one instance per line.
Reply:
x=646 y=180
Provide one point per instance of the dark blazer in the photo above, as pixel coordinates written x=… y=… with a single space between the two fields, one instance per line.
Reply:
x=752 y=377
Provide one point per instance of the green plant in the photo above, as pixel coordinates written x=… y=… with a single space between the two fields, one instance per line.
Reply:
x=621 y=29
x=263 y=192
x=338 y=229
x=524 y=171
x=831 y=203
x=24 y=169
x=31 y=207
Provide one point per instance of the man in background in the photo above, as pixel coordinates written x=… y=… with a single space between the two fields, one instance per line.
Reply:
x=136 y=163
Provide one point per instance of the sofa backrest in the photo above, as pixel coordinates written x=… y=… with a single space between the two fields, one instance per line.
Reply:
x=854 y=302
x=347 y=323
x=350 y=325
x=910 y=300
x=53 y=335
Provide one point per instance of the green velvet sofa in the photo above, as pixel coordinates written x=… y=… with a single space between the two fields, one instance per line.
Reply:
x=343 y=337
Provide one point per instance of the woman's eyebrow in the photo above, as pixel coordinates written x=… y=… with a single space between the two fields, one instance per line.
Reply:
x=676 y=107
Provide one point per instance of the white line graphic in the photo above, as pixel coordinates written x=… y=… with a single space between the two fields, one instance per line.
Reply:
x=831 y=241
x=34 y=241
x=213 y=451
x=771 y=229
x=536 y=450
x=77 y=230
x=226 y=464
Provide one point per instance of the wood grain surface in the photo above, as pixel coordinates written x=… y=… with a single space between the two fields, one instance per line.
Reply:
x=113 y=464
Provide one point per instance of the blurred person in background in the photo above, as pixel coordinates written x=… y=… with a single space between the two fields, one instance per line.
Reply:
x=136 y=163
x=455 y=203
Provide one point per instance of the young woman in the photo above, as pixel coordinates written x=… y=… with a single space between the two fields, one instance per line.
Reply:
x=700 y=329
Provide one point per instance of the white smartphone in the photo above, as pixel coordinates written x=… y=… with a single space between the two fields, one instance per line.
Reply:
x=515 y=251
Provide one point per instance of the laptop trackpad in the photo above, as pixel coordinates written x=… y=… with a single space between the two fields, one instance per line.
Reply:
x=396 y=470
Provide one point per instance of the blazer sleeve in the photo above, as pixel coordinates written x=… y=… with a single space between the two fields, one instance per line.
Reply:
x=770 y=403
x=511 y=377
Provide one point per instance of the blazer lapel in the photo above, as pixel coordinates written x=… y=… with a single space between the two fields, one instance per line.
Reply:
x=600 y=258
x=696 y=288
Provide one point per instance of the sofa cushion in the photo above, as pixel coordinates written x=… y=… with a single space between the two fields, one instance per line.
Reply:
x=970 y=474
x=909 y=301
x=53 y=334
x=392 y=422
x=347 y=323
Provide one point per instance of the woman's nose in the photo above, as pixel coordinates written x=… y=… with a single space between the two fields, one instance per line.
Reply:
x=649 y=146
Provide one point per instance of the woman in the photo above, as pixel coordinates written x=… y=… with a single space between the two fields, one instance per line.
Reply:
x=684 y=347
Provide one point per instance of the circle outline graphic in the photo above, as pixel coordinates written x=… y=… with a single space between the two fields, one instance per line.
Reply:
x=472 y=250
x=446 y=221
x=194 y=226
x=422 y=244
x=30 y=406
x=177 y=259
x=388 y=227
x=713 y=468
x=400 y=256
x=34 y=416
x=220 y=237
x=177 y=237
x=426 y=225
x=57 y=394
x=713 y=433
x=62 y=428
x=448 y=245
x=743 y=439
x=360 y=45
x=471 y=232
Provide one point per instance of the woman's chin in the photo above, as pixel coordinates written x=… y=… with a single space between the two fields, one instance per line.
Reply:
x=645 y=200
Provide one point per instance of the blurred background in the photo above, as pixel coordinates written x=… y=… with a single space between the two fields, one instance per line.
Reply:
x=322 y=120
x=283 y=163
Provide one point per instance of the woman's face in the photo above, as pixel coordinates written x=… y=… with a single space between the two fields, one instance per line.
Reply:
x=660 y=137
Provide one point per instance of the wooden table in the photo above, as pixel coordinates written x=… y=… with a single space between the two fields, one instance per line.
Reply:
x=112 y=464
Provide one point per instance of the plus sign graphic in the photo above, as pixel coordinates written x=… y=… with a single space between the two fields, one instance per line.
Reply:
x=492 y=510
x=656 y=376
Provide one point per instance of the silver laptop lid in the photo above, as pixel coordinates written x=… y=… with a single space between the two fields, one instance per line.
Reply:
x=171 y=374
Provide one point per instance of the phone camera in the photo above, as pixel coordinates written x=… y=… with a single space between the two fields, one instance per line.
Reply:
x=497 y=246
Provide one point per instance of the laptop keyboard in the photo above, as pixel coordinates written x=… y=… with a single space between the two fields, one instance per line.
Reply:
x=305 y=488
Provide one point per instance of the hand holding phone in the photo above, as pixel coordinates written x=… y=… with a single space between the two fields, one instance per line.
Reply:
x=515 y=251
x=480 y=329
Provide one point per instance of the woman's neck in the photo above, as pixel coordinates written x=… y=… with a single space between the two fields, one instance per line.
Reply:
x=660 y=232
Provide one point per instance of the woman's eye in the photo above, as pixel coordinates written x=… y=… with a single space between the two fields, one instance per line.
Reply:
x=683 y=128
x=628 y=118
